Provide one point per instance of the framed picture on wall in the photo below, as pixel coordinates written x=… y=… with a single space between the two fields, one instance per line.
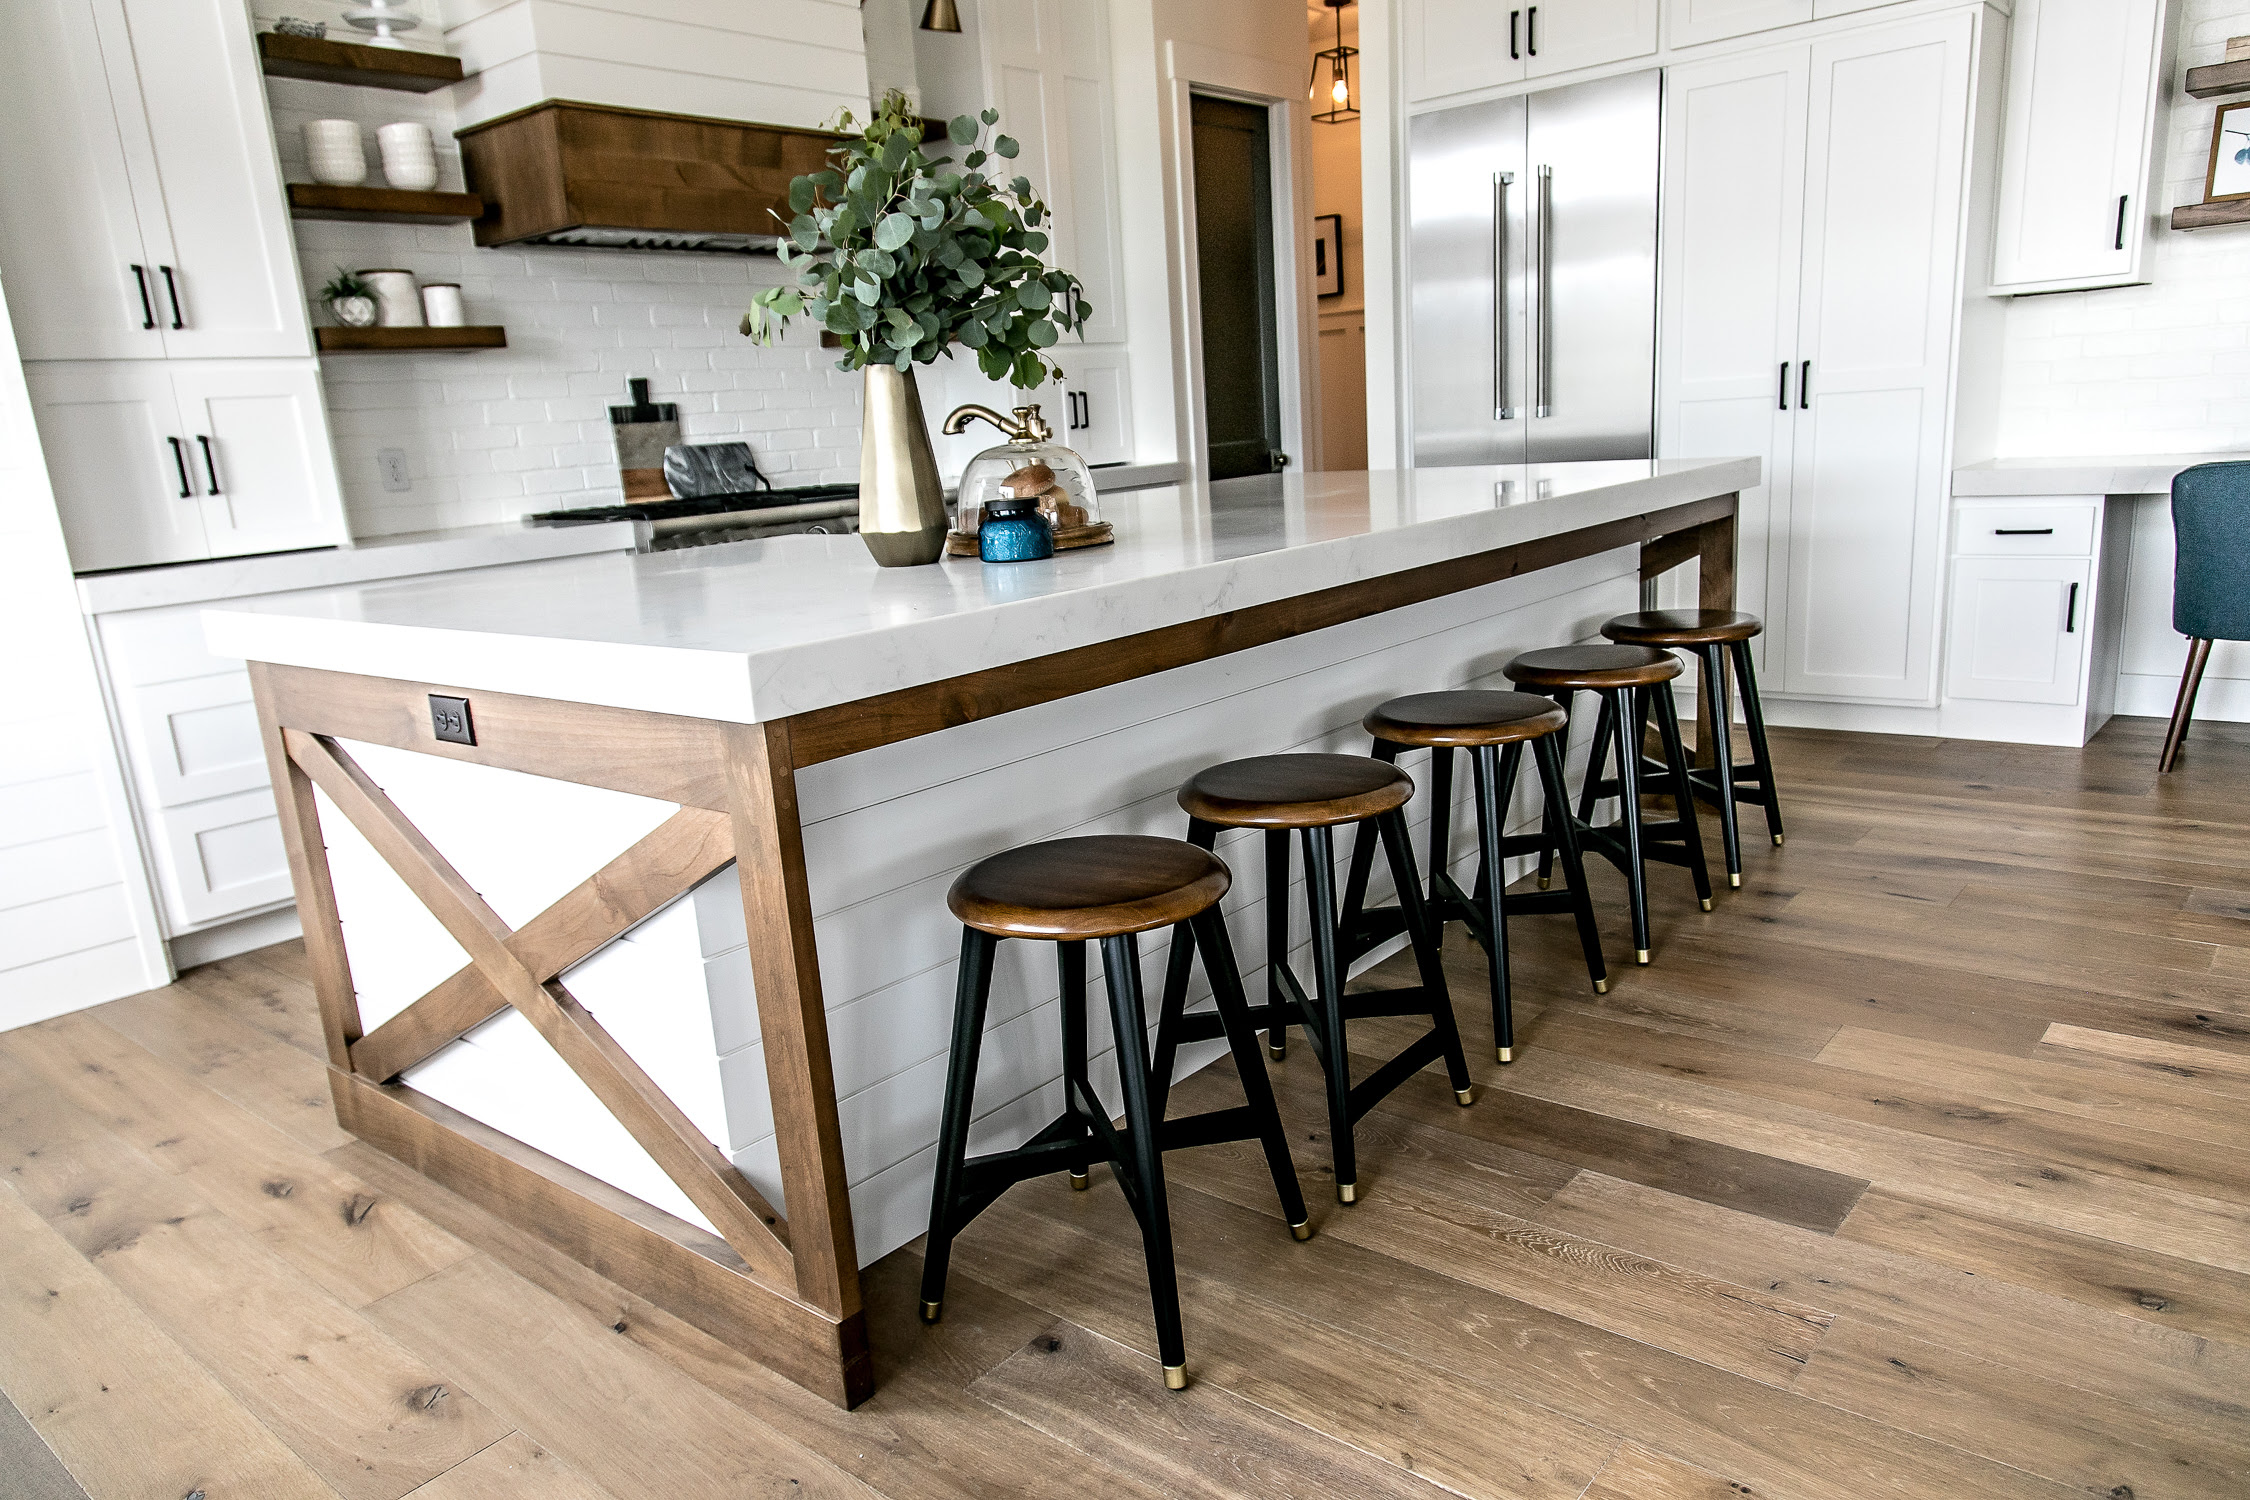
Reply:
x=1328 y=254
x=2229 y=176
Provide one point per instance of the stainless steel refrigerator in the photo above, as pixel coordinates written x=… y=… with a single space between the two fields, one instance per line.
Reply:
x=1532 y=274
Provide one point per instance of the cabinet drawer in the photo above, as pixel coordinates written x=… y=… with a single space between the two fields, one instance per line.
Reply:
x=2062 y=528
x=221 y=858
x=195 y=739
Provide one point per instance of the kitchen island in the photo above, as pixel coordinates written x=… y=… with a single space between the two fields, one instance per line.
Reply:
x=623 y=877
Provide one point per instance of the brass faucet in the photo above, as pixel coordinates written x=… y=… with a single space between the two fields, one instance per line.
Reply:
x=1026 y=428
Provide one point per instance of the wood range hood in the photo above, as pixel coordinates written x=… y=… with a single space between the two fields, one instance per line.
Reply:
x=593 y=175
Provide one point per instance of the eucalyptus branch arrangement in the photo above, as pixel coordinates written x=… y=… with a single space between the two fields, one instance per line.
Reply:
x=903 y=255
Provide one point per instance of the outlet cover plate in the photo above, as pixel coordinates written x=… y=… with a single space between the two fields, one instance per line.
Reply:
x=449 y=720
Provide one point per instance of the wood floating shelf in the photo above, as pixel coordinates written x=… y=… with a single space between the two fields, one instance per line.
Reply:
x=410 y=340
x=2207 y=215
x=323 y=61
x=2219 y=78
x=374 y=205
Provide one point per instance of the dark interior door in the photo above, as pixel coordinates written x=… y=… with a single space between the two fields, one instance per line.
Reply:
x=1234 y=259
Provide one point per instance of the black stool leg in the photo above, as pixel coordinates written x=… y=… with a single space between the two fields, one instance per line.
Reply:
x=1174 y=1004
x=1211 y=938
x=1761 y=758
x=1556 y=823
x=969 y=995
x=1567 y=701
x=1675 y=756
x=1328 y=980
x=1277 y=936
x=1495 y=781
x=1441 y=813
x=1423 y=935
x=1609 y=724
x=1629 y=795
x=1362 y=863
x=1121 y=971
x=1070 y=968
x=1714 y=687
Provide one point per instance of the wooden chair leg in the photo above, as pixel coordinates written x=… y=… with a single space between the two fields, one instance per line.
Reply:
x=2183 y=708
x=973 y=985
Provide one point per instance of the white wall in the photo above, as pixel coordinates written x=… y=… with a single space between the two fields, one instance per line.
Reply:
x=76 y=922
x=2162 y=368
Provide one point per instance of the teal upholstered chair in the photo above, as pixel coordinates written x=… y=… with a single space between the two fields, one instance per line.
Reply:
x=2210 y=576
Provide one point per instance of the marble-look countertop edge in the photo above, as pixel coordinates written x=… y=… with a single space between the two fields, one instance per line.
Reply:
x=2123 y=474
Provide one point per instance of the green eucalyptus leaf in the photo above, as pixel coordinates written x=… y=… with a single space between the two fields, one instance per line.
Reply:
x=990 y=116
x=1030 y=371
x=801 y=194
x=973 y=335
x=805 y=232
x=1022 y=186
x=961 y=130
x=1042 y=334
x=1006 y=146
x=1033 y=296
x=893 y=231
x=974 y=160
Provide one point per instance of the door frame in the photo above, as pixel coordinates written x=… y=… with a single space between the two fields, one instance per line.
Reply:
x=1195 y=70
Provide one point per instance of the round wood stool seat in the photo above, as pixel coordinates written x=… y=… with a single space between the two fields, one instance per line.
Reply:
x=1072 y=890
x=1467 y=717
x=1593 y=668
x=1683 y=627
x=1295 y=791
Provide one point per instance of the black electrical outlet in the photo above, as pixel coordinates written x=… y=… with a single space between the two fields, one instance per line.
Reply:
x=449 y=719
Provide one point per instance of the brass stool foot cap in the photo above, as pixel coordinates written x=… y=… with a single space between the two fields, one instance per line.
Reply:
x=1777 y=841
x=1504 y=1054
x=1175 y=1377
x=1079 y=1182
x=1301 y=1230
x=1734 y=879
x=1706 y=901
x=1640 y=955
x=1468 y=1096
x=1601 y=986
x=1543 y=878
x=1276 y=1053
x=1347 y=1192
x=931 y=1311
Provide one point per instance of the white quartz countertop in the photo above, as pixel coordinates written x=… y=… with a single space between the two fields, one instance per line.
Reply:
x=2135 y=474
x=376 y=558
x=764 y=629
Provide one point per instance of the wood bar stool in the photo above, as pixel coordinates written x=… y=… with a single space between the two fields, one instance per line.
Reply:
x=1311 y=795
x=1493 y=728
x=1070 y=892
x=1631 y=680
x=1714 y=634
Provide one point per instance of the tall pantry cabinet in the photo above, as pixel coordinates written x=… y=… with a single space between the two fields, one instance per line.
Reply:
x=154 y=284
x=1816 y=223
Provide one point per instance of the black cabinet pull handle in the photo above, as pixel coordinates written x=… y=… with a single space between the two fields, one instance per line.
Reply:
x=1531 y=31
x=179 y=461
x=148 y=312
x=1804 y=386
x=210 y=468
x=2070 y=623
x=1515 y=53
x=172 y=290
x=2121 y=197
x=2023 y=531
x=1784 y=386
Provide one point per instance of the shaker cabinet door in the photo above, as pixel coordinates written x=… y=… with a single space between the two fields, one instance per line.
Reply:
x=1564 y=34
x=258 y=453
x=1097 y=416
x=119 y=462
x=1687 y=22
x=80 y=283
x=1452 y=46
x=2019 y=628
x=233 y=289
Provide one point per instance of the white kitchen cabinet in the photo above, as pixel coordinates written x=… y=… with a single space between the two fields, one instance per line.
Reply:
x=1096 y=421
x=221 y=859
x=1813 y=217
x=138 y=128
x=1688 y=22
x=1561 y=35
x=1452 y=46
x=179 y=460
x=2082 y=144
x=2019 y=628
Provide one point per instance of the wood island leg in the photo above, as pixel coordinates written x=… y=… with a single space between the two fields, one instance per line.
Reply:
x=1714 y=550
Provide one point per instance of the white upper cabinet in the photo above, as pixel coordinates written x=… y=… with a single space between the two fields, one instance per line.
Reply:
x=2082 y=144
x=139 y=128
x=1452 y=46
x=258 y=454
x=1560 y=35
x=1687 y=22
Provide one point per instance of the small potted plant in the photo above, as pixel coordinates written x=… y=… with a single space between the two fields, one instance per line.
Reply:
x=902 y=256
x=351 y=301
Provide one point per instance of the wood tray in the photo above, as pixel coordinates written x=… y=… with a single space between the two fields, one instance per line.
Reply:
x=1100 y=534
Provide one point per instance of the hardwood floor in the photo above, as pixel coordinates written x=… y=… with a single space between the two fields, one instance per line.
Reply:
x=1917 y=1168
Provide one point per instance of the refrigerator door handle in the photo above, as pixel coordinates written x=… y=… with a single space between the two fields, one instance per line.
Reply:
x=1501 y=410
x=1542 y=317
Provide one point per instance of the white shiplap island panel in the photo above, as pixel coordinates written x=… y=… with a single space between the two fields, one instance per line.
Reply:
x=799 y=625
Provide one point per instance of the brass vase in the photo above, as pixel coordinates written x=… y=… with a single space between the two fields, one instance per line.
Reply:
x=901 y=503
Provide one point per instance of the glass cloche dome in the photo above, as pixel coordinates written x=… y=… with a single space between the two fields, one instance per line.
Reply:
x=1029 y=462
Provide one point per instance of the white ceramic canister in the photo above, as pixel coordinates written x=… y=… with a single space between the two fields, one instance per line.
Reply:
x=441 y=305
x=409 y=156
x=334 y=152
x=397 y=303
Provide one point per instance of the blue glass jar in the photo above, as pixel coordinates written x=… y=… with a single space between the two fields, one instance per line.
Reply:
x=1014 y=530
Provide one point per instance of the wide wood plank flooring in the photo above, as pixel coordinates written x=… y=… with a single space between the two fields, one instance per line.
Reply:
x=1917 y=1168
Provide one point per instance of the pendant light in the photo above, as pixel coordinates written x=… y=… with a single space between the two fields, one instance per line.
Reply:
x=1332 y=75
x=941 y=15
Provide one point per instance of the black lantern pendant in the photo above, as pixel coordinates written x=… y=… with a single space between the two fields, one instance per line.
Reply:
x=1332 y=75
